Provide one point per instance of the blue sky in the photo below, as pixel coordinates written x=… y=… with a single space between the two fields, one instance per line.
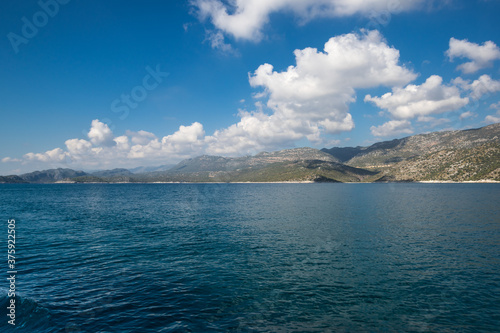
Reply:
x=103 y=84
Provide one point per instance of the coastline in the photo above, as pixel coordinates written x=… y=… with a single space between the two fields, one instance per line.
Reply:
x=483 y=181
x=279 y=182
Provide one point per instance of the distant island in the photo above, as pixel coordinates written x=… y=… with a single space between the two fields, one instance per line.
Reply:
x=458 y=156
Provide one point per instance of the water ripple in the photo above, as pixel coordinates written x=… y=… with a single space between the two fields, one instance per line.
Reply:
x=256 y=257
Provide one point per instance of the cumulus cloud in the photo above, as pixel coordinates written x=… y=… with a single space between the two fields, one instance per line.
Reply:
x=98 y=152
x=352 y=60
x=186 y=135
x=185 y=142
x=78 y=146
x=100 y=134
x=481 y=56
x=257 y=131
x=244 y=19
x=314 y=94
x=122 y=143
x=431 y=97
x=392 y=128
x=482 y=86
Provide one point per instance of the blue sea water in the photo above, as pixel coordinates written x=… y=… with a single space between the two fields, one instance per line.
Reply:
x=253 y=257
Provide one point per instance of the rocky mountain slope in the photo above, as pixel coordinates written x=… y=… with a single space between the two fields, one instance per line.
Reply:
x=468 y=155
x=388 y=153
x=299 y=164
x=478 y=163
x=219 y=163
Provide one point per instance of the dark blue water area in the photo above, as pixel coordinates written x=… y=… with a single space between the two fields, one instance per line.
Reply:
x=253 y=257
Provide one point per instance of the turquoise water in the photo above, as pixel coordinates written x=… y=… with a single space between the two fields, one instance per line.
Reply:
x=254 y=257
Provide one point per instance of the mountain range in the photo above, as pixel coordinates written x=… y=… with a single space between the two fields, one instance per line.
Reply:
x=462 y=155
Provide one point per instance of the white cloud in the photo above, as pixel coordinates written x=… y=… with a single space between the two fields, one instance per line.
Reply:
x=185 y=135
x=78 y=146
x=481 y=56
x=491 y=119
x=122 y=143
x=244 y=19
x=315 y=93
x=432 y=97
x=9 y=159
x=350 y=60
x=54 y=155
x=216 y=40
x=257 y=131
x=187 y=141
x=139 y=138
x=467 y=114
x=100 y=134
x=392 y=128
x=482 y=86
x=133 y=146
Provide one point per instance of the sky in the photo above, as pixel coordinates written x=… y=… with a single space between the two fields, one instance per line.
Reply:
x=93 y=85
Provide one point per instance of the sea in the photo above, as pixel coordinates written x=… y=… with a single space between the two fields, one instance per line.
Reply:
x=404 y=257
